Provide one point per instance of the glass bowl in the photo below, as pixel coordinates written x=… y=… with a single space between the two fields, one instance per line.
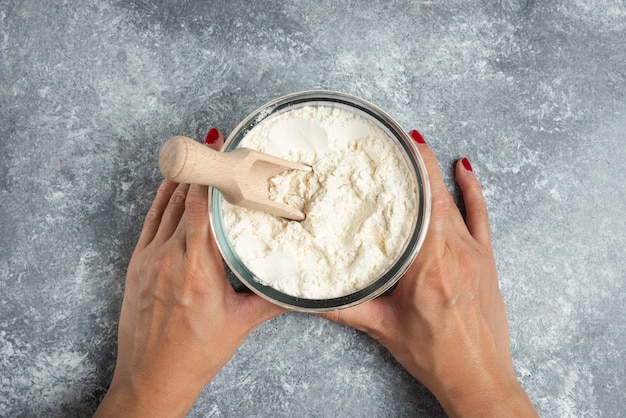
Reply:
x=418 y=225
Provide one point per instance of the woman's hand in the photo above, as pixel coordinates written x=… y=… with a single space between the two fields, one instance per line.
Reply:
x=446 y=321
x=181 y=321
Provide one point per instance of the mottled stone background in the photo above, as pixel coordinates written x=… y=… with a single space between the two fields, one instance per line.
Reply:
x=532 y=92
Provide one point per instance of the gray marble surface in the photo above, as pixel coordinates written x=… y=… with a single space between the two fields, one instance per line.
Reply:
x=532 y=92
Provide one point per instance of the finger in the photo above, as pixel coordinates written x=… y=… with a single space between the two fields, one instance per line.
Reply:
x=441 y=201
x=253 y=309
x=155 y=213
x=476 y=215
x=445 y=215
x=197 y=228
x=437 y=185
x=172 y=213
x=214 y=139
x=373 y=317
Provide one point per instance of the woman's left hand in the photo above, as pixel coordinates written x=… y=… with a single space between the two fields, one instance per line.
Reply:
x=181 y=320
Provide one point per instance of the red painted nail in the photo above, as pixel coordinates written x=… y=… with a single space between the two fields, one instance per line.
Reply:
x=212 y=136
x=466 y=164
x=417 y=137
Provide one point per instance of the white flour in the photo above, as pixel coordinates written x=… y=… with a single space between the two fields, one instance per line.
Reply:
x=359 y=201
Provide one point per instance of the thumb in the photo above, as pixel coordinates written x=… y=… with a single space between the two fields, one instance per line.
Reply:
x=373 y=317
x=214 y=139
x=477 y=217
x=254 y=310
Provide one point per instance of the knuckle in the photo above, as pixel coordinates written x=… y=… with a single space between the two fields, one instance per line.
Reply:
x=377 y=329
x=178 y=197
x=333 y=316
x=439 y=281
x=435 y=272
x=193 y=277
x=164 y=263
x=153 y=215
x=441 y=206
x=196 y=207
x=198 y=275
x=474 y=191
x=481 y=212
x=164 y=189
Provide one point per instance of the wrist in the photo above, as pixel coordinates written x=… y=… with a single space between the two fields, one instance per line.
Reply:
x=503 y=398
x=125 y=399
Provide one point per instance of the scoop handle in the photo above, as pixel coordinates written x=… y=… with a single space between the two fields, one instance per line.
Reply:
x=184 y=160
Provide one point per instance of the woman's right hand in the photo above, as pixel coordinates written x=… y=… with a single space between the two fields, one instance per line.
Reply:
x=446 y=321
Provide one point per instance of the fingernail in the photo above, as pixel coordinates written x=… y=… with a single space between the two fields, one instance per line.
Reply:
x=212 y=136
x=417 y=137
x=466 y=164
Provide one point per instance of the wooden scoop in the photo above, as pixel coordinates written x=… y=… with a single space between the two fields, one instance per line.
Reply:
x=242 y=175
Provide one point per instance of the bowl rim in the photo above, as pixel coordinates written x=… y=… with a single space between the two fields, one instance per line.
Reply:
x=419 y=224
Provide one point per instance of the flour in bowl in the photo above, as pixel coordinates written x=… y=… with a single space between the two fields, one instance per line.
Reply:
x=359 y=203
